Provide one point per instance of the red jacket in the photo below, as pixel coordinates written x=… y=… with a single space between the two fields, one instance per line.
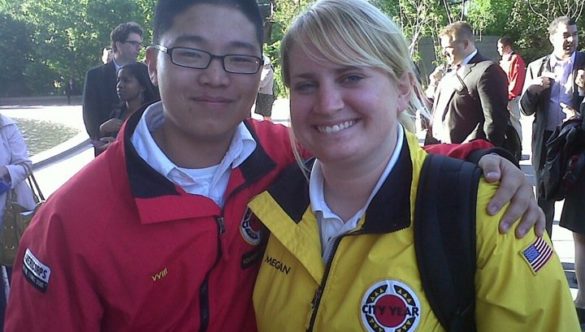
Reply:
x=121 y=248
x=515 y=69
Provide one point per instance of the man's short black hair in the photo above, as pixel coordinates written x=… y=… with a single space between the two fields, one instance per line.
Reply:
x=507 y=41
x=122 y=31
x=554 y=25
x=167 y=10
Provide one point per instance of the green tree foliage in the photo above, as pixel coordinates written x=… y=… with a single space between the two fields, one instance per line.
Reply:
x=285 y=12
x=417 y=18
x=529 y=20
x=15 y=49
x=67 y=36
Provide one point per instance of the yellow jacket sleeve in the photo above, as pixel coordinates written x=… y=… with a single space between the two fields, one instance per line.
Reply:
x=520 y=284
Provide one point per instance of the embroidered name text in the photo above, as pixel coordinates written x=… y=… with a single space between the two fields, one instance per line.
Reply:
x=277 y=264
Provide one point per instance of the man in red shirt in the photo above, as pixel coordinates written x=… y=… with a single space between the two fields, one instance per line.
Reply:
x=515 y=68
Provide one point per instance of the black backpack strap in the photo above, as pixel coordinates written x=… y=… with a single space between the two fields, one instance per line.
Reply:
x=444 y=238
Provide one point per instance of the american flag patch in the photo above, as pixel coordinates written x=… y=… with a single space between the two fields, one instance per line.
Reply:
x=537 y=254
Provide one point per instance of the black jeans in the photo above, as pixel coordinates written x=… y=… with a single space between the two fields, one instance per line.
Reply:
x=547 y=205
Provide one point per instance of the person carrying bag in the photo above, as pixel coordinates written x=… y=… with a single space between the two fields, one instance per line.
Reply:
x=17 y=216
x=15 y=167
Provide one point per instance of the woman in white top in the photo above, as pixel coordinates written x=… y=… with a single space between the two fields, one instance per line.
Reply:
x=15 y=166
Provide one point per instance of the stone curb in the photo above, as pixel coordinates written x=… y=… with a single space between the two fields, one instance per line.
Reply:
x=62 y=151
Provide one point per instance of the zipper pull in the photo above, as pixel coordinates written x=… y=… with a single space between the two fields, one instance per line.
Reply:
x=220 y=224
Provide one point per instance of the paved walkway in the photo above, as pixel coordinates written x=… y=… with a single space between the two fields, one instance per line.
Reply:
x=57 y=165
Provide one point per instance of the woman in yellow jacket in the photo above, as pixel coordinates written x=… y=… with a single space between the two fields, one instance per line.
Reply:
x=341 y=255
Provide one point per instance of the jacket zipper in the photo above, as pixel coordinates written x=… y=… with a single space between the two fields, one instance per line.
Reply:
x=204 y=290
x=319 y=292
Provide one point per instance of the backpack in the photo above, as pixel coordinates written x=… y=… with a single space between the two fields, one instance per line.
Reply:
x=565 y=160
x=445 y=239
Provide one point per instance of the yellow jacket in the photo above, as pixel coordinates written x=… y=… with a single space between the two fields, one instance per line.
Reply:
x=372 y=282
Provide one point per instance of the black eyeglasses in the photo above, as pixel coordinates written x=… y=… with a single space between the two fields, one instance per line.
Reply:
x=199 y=59
x=133 y=43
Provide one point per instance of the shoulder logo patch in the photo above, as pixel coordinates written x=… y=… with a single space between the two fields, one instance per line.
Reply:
x=390 y=306
x=251 y=228
x=35 y=271
x=537 y=254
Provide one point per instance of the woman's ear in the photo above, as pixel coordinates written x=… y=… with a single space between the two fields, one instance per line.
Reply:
x=404 y=85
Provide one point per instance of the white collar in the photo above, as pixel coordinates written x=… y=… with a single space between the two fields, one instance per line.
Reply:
x=317 y=195
x=241 y=147
x=554 y=61
x=116 y=65
x=468 y=58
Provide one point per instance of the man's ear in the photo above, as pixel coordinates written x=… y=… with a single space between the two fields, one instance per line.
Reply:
x=466 y=44
x=404 y=85
x=151 y=60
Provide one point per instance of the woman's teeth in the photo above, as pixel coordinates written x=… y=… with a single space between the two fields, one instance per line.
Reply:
x=335 y=128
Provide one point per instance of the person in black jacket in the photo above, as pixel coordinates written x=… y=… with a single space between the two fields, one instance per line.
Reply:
x=471 y=99
x=99 y=94
x=551 y=96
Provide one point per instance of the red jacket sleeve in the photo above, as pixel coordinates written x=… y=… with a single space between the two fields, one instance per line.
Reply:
x=459 y=151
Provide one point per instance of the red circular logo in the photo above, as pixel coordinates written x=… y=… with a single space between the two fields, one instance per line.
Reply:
x=250 y=228
x=390 y=305
x=393 y=310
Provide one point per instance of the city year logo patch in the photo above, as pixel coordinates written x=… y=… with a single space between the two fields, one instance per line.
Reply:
x=250 y=228
x=389 y=306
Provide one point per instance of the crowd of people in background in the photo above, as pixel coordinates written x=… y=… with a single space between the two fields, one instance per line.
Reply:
x=551 y=89
x=181 y=160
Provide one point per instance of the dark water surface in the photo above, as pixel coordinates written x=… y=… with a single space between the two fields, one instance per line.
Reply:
x=43 y=135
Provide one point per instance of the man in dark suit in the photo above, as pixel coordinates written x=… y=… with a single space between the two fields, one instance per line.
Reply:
x=552 y=94
x=99 y=93
x=471 y=99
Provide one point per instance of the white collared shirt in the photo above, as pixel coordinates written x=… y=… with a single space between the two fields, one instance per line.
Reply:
x=210 y=182
x=330 y=224
x=468 y=58
x=116 y=65
x=561 y=90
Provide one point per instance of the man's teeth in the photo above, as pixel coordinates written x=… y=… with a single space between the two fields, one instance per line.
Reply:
x=335 y=128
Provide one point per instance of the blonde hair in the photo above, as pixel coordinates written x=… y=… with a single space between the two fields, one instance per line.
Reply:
x=459 y=30
x=354 y=33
